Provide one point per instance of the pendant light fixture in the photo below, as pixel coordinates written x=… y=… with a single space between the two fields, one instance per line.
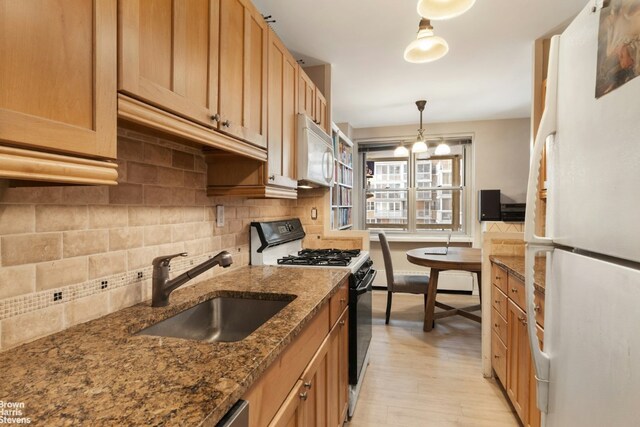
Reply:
x=443 y=9
x=427 y=47
x=401 y=151
x=443 y=149
x=420 y=146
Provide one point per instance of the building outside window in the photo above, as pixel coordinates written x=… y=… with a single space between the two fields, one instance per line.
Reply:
x=419 y=193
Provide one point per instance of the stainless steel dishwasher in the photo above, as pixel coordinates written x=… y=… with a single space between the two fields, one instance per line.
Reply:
x=238 y=416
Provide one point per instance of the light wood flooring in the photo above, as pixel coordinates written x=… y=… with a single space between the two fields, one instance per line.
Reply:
x=427 y=379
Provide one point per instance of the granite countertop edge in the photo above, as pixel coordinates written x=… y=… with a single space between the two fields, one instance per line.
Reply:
x=206 y=378
x=516 y=266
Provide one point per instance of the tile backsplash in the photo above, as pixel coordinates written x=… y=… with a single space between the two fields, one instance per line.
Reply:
x=70 y=254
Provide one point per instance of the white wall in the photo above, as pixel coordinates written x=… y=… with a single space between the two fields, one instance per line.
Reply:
x=500 y=153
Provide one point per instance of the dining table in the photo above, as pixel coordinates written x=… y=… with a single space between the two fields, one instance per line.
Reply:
x=453 y=258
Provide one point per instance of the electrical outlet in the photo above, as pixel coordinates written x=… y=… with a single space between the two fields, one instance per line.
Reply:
x=140 y=274
x=219 y=216
x=104 y=284
x=314 y=213
x=57 y=296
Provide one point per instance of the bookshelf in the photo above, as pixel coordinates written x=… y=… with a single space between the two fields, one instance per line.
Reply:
x=342 y=189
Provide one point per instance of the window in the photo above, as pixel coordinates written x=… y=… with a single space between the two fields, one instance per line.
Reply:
x=420 y=193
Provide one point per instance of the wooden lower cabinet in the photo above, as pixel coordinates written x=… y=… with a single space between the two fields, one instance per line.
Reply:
x=291 y=412
x=510 y=349
x=319 y=396
x=519 y=360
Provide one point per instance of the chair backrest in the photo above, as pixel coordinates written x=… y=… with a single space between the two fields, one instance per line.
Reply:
x=388 y=265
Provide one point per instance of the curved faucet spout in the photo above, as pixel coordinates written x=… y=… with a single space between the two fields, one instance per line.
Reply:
x=162 y=286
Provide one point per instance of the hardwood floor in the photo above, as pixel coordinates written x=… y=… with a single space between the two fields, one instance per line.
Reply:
x=427 y=379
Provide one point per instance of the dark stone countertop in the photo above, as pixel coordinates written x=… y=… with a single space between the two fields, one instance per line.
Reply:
x=99 y=374
x=515 y=264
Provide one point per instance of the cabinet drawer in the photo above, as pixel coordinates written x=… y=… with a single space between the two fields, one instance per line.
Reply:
x=499 y=301
x=516 y=292
x=338 y=302
x=538 y=299
x=499 y=325
x=499 y=277
x=499 y=358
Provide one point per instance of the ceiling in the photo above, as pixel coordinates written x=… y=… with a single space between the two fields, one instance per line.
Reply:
x=486 y=74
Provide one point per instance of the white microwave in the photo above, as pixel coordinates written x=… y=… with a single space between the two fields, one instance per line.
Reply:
x=315 y=155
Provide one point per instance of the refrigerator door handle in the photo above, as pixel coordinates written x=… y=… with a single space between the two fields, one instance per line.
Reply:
x=541 y=359
x=548 y=126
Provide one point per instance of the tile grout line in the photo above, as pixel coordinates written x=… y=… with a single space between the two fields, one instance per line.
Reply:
x=15 y=306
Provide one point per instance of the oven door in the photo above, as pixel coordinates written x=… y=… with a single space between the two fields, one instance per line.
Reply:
x=360 y=329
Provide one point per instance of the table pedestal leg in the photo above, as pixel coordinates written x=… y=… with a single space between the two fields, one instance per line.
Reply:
x=431 y=300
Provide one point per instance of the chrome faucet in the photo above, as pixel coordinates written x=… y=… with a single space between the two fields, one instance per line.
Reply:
x=162 y=286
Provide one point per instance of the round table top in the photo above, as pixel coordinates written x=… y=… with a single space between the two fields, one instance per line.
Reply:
x=468 y=259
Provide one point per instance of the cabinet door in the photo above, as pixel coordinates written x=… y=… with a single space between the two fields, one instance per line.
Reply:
x=534 y=419
x=321 y=111
x=315 y=381
x=518 y=360
x=338 y=392
x=243 y=72
x=343 y=357
x=281 y=112
x=58 y=75
x=306 y=94
x=291 y=413
x=168 y=55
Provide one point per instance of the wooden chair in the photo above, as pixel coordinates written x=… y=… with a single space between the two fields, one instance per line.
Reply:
x=400 y=283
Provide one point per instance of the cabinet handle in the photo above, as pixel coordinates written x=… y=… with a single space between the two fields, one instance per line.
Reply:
x=522 y=320
x=343 y=300
x=303 y=396
x=272 y=177
x=497 y=301
x=537 y=308
x=514 y=290
x=495 y=356
x=226 y=123
x=495 y=324
x=216 y=117
x=308 y=384
x=342 y=322
x=497 y=277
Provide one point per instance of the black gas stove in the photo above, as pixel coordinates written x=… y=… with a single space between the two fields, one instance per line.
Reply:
x=328 y=257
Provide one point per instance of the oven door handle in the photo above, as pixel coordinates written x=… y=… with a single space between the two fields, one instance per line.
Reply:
x=367 y=283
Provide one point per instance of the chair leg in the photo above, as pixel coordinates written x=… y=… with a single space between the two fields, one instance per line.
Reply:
x=389 y=297
x=425 y=301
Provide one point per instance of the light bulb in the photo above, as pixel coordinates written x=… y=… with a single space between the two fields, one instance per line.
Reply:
x=442 y=149
x=401 y=151
x=443 y=9
x=426 y=49
x=419 y=146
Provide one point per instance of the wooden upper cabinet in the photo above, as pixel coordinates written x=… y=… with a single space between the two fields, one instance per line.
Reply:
x=243 y=72
x=168 y=55
x=282 y=108
x=58 y=76
x=306 y=95
x=321 y=111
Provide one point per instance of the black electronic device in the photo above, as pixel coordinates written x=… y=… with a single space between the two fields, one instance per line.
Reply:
x=489 y=205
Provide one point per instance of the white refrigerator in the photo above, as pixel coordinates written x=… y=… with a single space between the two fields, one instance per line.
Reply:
x=589 y=371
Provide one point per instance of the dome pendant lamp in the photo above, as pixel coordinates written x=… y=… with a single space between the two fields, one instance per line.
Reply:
x=401 y=151
x=420 y=146
x=443 y=9
x=427 y=47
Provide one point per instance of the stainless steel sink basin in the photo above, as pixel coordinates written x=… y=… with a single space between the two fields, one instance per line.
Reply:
x=218 y=319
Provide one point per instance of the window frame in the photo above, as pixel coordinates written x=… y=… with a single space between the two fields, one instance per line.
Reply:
x=463 y=203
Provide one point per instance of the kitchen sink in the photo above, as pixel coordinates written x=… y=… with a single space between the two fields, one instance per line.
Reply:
x=218 y=319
